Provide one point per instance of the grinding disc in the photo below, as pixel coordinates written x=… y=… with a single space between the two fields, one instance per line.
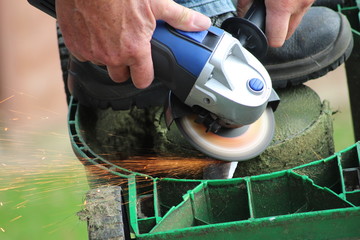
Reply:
x=230 y=144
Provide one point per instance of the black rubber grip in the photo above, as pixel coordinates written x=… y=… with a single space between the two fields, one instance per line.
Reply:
x=256 y=14
x=47 y=6
x=169 y=72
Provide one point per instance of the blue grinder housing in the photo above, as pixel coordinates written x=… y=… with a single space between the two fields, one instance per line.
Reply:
x=179 y=56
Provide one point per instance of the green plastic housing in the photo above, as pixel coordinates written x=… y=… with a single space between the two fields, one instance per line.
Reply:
x=320 y=200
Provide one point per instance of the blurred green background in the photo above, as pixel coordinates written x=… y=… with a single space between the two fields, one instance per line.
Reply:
x=42 y=184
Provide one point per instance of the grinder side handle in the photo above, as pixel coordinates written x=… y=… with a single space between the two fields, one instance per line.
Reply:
x=250 y=29
x=256 y=14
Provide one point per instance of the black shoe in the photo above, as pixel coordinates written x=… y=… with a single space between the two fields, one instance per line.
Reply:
x=91 y=86
x=321 y=43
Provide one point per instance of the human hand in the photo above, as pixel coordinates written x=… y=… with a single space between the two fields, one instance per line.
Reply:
x=282 y=17
x=117 y=33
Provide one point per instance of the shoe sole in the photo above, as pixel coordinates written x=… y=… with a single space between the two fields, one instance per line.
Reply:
x=92 y=87
x=300 y=71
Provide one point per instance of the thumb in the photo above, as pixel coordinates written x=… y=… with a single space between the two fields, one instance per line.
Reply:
x=179 y=16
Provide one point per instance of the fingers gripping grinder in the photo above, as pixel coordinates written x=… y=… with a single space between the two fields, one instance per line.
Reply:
x=221 y=96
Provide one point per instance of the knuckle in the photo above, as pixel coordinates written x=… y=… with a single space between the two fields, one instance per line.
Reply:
x=184 y=17
x=134 y=50
x=180 y=17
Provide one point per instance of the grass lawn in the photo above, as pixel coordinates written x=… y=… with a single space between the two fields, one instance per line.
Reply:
x=42 y=206
x=42 y=184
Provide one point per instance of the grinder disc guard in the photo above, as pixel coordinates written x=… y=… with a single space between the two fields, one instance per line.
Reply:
x=230 y=144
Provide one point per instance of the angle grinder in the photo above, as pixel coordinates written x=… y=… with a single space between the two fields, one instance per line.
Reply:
x=220 y=95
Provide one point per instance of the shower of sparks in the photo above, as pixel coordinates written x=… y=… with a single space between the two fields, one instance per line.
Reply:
x=39 y=185
x=16 y=218
x=21 y=93
x=18 y=112
x=35 y=170
x=32 y=176
x=42 y=183
x=6 y=99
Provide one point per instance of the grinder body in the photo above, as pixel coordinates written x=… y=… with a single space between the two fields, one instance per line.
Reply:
x=212 y=70
x=220 y=94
